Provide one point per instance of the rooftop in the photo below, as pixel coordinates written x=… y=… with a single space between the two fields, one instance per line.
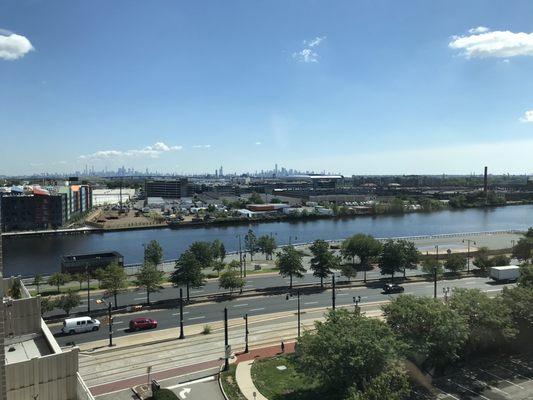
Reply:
x=23 y=348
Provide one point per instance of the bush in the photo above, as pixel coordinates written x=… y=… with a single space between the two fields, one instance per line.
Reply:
x=164 y=394
x=206 y=330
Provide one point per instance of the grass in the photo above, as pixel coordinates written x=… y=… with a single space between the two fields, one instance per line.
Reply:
x=206 y=330
x=230 y=384
x=286 y=384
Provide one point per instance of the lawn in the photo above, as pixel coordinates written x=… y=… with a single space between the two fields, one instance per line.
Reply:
x=230 y=385
x=285 y=384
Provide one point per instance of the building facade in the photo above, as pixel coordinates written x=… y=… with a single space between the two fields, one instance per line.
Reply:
x=167 y=188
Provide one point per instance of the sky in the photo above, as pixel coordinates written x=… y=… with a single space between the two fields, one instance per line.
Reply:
x=355 y=87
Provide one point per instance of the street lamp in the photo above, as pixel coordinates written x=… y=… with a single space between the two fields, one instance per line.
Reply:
x=287 y=297
x=110 y=317
x=468 y=252
x=88 y=276
x=246 y=332
x=240 y=251
x=435 y=272
x=182 y=334
x=356 y=301
x=333 y=291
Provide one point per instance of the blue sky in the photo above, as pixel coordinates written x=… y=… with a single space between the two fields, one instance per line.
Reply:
x=355 y=87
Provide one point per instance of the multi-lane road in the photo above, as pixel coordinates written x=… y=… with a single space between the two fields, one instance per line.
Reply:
x=238 y=306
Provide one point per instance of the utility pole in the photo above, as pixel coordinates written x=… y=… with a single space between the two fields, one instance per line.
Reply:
x=244 y=266
x=240 y=253
x=182 y=335
x=468 y=241
x=333 y=291
x=110 y=324
x=88 y=289
x=298 y=295
x=246 y=333
x=226 y=342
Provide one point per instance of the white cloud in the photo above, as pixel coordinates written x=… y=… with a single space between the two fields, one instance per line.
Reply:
x=149 y=151
x=258 y=143
x=13 y=46
x=500 y=44
x=201 y=146
x=479 y=29
x=307 y=54
x=528 y=116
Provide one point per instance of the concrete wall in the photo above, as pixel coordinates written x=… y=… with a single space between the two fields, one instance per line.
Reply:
x=22 y=317
x=52 y=377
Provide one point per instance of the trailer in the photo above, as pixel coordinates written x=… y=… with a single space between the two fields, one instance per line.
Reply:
x=505 y=274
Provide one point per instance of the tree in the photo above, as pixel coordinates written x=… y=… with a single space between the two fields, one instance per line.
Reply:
x=434 y=334
x=519 y=301
x=37 y=280
x=218 y=250
x=79 y=277
x=391 y=384
x=391 y=260
x=256 y=198
x=429 y=264
x=58 y=279
x=99 y=276
x=250 y=242
x=47 y=305
x=203 y=253
x=114 y=280
x=526 y=276
x=15 y=291
x=218 y=267
x=489 y=319
x=290 y=264
x=188 y=272
x=455 y=263
x=523 y=249
x=410 y=255
x=323 y=260
x=266 y=245
x=153 y=253
x=68 y=301
x=230 y=279
x=346 y=351
x=482 y=260
x=149 y=278
x=500 y=260
x=529 y=233
x=363 y=246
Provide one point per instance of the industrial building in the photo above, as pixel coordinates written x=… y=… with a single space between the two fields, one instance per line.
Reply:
x=168 y=188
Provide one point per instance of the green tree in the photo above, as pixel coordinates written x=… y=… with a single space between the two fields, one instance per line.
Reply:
x=434 y=334
x=150 y=278
x=58 y=279
x=99 y=276
x=218 y=250
x=250 y=242
x=79 y=277
x=429 y=264
x=37 y=281
x=346 y=351
x=489 y=319
x=529 y=233
x=391 y=260
x=363 y=246
x=218 y=267
x=202 y=251
x=68 y=301
x=47 y=305
x=500 y=260
x=482 y=260
x=526 y=276
x=396 y=206
x=455 y=263
x=519 y=301
x=523 y=249
x=290 y=263
x=391 y=384
x=323 y=260
x=114 y=280
x=256 y=198
x=266 y=244
x=153 y=253
x=230 y=279
x=15 y=290
x=188 y=272
x=411 y=255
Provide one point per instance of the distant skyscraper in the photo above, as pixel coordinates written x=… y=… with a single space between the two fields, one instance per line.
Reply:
x=221 y=172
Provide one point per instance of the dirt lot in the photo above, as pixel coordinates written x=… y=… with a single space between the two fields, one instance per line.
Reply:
x=114 y=220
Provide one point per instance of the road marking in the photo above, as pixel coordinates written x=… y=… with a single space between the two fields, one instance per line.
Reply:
x=513 y=372
x=465 y=388
x=256 y=309
x=493 y=290
x=197 y=291
x=408 y=293
x=193 y=318
x=240 y=305
x=500 y=378
x=140 y=298
x=184 y=392
x=470 y=283
x=117 y=322
x=184 y=312
x=248 y=286
x=311 y=302
x=343 y=294
x=207 y=379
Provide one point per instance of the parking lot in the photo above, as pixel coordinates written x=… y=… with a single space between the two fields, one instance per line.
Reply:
x=508 y=378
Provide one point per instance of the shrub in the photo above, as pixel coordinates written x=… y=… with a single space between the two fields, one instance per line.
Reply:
x=164 y=394
x=206 y=330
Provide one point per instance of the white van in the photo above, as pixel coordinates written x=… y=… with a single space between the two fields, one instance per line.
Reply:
x=80 y=324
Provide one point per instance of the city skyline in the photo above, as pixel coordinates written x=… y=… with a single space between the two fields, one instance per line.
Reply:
x=357 y=88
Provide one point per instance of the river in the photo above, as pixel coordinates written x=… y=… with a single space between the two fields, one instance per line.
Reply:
x=28 y=255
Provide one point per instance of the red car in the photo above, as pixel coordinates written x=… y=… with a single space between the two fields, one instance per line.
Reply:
x=138 y=324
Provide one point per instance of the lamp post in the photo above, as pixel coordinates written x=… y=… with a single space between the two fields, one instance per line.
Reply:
x=244 y=264
x=226 y=344
x=468 y=241
x=435 y=273
x=298 y=298
x=88 y=289
x=240 y=252
x=182 y=334
x=333 y=291
x=356 y=301
x=110 y=317
x=246 y=333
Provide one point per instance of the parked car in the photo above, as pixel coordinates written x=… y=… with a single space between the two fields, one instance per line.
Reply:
x=138 y=324
x=393 y=288
x=79 y=325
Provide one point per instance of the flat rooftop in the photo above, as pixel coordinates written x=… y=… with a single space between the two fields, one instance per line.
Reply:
x=23 y=348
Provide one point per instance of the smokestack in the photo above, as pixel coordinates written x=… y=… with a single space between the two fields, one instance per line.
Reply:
x=485 y=180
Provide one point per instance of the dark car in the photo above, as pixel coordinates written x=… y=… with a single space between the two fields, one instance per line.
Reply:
x=392 y=288
x=138 y=324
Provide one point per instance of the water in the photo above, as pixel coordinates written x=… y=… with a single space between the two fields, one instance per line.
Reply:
x=28 y=255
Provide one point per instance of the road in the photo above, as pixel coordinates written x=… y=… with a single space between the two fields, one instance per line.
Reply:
x=261 y=305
